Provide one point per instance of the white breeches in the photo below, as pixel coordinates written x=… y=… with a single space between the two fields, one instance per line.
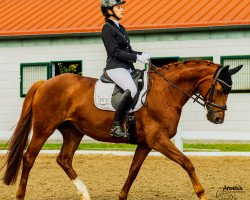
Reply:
x=123 y=79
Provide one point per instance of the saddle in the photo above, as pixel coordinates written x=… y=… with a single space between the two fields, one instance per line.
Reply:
x=137 y=76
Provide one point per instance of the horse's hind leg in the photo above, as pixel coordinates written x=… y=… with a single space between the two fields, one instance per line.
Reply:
x=166 y=147
x=140 y=155
x=71 y=139
x=29 y=158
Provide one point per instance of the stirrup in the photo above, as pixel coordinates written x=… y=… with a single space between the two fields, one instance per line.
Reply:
x=125 y=135
x=113 y=130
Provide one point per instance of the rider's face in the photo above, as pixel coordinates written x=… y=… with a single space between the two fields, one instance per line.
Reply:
x=118 y=11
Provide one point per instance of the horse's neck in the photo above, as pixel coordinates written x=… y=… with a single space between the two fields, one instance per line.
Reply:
x=165 y=102
x=190 y=78
x=186 y=79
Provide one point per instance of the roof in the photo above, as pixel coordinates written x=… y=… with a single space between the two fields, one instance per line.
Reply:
x=45 y=17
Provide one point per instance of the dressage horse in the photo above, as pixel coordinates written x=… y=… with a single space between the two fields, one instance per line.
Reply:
x=66 y=103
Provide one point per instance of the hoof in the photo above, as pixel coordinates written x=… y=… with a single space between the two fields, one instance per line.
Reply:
x=19 y=198
x=123 y=197
x=84 y=198
x=204 y=197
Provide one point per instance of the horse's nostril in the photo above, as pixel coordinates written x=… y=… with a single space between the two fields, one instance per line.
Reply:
x=218 y=120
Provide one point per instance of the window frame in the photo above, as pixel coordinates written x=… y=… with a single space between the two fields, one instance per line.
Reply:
x=222 y=58
x=23 y=65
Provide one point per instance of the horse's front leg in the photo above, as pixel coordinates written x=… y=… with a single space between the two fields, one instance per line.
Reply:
x=139 y=156
x=167 y=148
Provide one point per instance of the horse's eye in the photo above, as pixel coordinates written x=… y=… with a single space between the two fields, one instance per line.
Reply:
x=220 y=91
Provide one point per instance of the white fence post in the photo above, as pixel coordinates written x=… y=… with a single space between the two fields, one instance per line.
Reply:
x=178 y=140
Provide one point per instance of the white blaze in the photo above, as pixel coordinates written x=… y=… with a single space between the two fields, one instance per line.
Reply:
x=82 y=189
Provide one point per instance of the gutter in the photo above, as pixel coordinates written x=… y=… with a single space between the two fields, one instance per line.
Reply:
x=193 y=29
x=143 y=31
x=54 y=35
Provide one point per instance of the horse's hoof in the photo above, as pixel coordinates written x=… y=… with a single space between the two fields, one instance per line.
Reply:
x=122 y=198
x=84 y=198
x=19 y=198
x=204 y=197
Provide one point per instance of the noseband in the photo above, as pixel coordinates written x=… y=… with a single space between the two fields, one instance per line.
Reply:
x=198 y=98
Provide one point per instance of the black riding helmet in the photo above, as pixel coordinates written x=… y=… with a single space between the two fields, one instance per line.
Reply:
x=108 y=5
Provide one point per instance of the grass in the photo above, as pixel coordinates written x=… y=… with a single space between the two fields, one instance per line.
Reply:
x=89 y=146
x=130 y=147
x=217 y=147
x=97 y=146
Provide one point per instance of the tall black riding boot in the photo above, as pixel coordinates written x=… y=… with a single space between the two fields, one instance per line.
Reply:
x=123 y=106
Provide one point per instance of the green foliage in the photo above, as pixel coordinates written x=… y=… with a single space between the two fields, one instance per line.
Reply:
x=64 y=68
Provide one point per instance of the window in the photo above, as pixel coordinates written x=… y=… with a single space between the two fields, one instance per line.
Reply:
x=241 y=80
x=161 y=61
x=167 y=60
x=31 y=73
x=60 y=67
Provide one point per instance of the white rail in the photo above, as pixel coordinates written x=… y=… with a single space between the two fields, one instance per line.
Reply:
x=179 y=139
x=208 y=135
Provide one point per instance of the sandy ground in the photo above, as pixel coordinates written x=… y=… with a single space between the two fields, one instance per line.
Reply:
x=159 y=178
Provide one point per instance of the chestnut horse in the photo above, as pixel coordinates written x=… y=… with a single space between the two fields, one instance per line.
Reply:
x=66 y=103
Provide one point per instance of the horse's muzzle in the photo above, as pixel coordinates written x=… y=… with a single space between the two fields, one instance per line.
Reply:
x=216 y=118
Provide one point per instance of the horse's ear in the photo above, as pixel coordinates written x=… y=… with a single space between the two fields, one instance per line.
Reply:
x=225 y=68
x=235 y=70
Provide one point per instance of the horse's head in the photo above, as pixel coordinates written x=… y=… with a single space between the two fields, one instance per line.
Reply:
x=215 y=90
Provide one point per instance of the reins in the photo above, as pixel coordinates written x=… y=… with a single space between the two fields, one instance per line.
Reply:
x=200 y=100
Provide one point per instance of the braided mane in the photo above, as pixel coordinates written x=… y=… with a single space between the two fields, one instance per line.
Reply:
x=186 y=62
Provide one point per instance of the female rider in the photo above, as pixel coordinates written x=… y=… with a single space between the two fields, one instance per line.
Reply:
x=120 y=59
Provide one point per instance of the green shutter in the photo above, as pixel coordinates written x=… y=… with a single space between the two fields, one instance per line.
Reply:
x=31 y=73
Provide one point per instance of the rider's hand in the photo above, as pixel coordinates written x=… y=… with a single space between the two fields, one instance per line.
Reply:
x=143 y=58
x=148 y=56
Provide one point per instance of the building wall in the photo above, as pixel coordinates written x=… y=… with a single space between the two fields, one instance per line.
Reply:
x=91 y=51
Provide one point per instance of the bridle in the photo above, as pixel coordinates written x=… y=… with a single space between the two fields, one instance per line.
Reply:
x=207 y=101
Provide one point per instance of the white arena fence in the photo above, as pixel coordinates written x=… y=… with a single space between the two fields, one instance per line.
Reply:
x=179 y=139
x=211 y=136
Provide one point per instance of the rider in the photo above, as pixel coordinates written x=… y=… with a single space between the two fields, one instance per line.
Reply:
x=120 y=59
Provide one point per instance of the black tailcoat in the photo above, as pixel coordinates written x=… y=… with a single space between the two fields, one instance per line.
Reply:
x=117 y=44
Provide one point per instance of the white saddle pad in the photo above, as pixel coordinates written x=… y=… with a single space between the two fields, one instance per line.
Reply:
x=103 y=94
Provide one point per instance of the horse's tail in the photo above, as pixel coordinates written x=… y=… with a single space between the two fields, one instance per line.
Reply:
x=19 y=138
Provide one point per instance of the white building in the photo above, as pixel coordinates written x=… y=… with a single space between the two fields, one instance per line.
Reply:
x=32 y=45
